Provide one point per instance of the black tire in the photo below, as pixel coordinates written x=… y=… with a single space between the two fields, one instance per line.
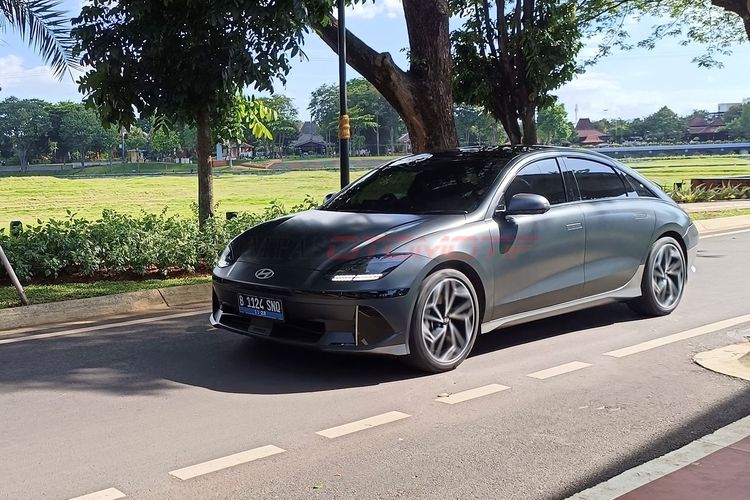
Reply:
x=420 y=355
x=649 y=303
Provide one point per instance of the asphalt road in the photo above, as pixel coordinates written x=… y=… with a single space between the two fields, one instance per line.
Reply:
x=122 y=407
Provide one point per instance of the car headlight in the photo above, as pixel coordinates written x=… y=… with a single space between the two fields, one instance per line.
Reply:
x=226 y=258
x=367 y=268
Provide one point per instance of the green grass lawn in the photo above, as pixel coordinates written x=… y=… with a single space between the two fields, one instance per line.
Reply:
x=39 y=294
x=29 y=198
x=719 y=213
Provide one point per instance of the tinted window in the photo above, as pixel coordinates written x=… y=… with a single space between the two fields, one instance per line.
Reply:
x=541 y=177
x=451 y=183
x=639 y=187
x=596 y=180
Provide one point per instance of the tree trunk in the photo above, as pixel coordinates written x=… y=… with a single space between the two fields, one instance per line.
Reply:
x=739 y=7
x=422 y=96
x=205 y=175
x=529 y=126
x=22 y=159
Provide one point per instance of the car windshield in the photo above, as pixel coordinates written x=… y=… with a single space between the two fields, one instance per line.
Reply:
x=422 y=184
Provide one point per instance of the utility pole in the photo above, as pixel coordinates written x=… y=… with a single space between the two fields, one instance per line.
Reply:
x=344 y=128
x=13 y=277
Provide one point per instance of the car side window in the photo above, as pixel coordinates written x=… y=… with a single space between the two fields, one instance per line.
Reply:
x=596 y=180
x=541 y=177
x=641 y=189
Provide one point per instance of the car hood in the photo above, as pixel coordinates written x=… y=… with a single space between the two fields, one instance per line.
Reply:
x=317 y=239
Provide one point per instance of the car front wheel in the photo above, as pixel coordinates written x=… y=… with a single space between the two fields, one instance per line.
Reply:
x=445 y=322
x=663 y=279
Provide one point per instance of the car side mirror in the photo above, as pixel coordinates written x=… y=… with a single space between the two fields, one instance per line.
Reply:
x=527 y=204
x=328 y=197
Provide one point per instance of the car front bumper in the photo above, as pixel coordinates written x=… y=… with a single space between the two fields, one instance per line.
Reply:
x=373 y=322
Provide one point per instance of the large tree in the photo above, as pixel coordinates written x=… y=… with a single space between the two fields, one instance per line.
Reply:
x=422 y=95
x=553 y=125
x=82 y=131
x=186 y=60
x=24 y=125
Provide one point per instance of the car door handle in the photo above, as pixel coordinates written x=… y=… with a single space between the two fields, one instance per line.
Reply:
x=575 y=226
x=641 y=216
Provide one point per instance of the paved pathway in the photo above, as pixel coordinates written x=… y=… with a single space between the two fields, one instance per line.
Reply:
x=713 y=206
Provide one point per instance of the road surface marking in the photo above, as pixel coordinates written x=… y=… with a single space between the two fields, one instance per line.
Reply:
x=558 y=370
x=363 y=424
x=716 y=235
x=478 y=392
x=108 y=494
x=676 y=337
x=75 y=331
x=226 y=462
x=660 y=467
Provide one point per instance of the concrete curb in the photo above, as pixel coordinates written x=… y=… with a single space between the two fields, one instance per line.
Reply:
x=732 y=360
x=722 y=224
x=159 y=299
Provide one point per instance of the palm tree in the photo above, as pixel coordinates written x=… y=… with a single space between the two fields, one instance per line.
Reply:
x=43 y=26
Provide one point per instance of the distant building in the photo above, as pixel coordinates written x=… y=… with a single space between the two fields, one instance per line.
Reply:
x=726 y=106
x=309 y=140
x=707 y=128
x=588 y=135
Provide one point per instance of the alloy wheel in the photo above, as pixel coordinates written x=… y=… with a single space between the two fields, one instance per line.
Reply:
x=448 y=320
x=668 y=275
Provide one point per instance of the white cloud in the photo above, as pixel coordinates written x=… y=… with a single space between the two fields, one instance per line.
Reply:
x=370 y=10
x=602 y=95
x=24 y=81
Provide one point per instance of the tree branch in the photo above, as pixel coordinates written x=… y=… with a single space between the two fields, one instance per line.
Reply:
x=739 y=7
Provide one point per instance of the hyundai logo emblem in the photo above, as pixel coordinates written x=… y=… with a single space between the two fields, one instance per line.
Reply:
x=264 y=274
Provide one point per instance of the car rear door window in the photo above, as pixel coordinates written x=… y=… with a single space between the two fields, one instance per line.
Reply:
x=639 y=187
x=541 y=177
x=596 y=180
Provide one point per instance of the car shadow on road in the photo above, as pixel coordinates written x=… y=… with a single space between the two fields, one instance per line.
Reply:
x=159 y=357
x=586 y=319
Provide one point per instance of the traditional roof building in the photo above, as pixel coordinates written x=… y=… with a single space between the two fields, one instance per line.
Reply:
x=707 y=129
x=309 y=139
x=588 y=135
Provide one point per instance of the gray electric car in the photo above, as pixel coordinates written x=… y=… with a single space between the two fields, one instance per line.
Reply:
x=420 y=255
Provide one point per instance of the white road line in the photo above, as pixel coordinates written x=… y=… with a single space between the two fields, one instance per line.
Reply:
x=108 y=494
x=676 y=337
x=363 y=424
x=226 y=462
x=716 y=235
x=559 y=370
x=75 y=331
x=477 y=392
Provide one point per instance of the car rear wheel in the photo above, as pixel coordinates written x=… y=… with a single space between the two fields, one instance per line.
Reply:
x=445 y=322
x=663 y=279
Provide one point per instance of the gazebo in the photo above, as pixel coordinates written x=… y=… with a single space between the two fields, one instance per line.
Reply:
x=309 y=140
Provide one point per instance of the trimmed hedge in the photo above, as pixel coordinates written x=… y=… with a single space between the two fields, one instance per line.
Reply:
x=119 y=243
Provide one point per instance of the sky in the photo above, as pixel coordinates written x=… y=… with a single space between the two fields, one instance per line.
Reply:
x=625 y=84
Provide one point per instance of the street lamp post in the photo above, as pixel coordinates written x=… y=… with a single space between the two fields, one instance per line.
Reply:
x=344 y=129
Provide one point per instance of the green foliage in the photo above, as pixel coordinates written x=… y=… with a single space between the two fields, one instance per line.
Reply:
x=553 y=124
x=245 y=114
x=475 y=126
x=509 y=57
x=368 y=109
x=120 y=243
x=664 y=125
x=739 y=125
x=24 y=124
x=164 y=141
x=44 y=27
x=701 y=194
x=81 y=129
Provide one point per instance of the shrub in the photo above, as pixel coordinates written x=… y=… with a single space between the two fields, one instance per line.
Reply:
x=701 y=193
x=120 y=243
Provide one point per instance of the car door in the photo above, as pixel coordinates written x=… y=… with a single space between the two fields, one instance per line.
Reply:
x=619 y=225
x=539 y=259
